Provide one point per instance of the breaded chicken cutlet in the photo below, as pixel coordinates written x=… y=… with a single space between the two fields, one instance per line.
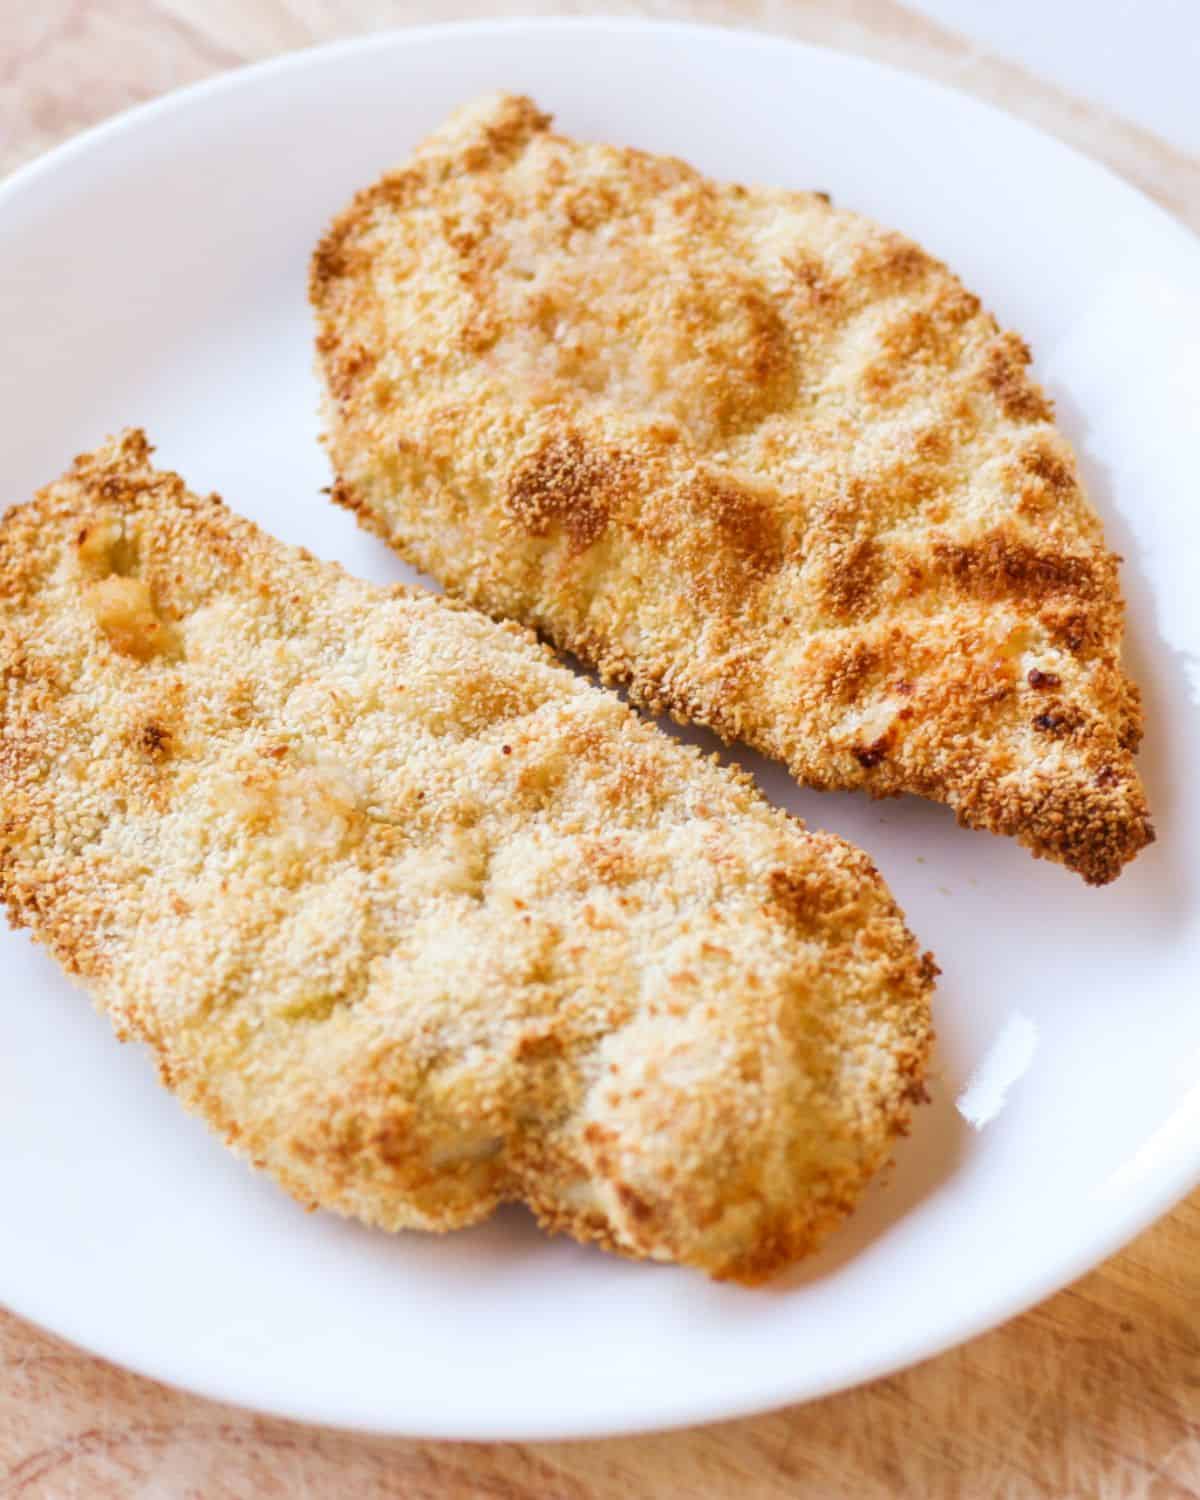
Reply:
x=767 y=464
x=417 y=919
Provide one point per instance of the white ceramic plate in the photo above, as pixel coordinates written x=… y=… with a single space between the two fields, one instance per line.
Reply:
x=153 y=272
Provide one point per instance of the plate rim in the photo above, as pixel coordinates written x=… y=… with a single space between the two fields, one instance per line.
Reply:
x=1168 y=1183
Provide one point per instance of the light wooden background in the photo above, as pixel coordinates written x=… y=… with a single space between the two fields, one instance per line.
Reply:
x=1096 y=1393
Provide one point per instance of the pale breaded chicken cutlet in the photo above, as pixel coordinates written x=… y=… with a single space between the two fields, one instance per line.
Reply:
x=417 y=919
x=765 y=463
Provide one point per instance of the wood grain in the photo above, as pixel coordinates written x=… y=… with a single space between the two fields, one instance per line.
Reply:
x=1096 y=1393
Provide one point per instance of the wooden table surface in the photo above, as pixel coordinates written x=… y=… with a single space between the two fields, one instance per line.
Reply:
x=1096 y=1393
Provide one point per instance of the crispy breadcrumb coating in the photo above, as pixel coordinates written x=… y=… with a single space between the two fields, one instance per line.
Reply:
x=419 y=920
x=764 y=462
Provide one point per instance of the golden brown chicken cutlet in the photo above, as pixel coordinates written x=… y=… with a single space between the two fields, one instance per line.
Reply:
x=765 y=463
x=418 y=920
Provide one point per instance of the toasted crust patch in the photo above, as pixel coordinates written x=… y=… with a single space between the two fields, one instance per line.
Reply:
x=564 y=484
x=826 y=447
x=419 y=920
